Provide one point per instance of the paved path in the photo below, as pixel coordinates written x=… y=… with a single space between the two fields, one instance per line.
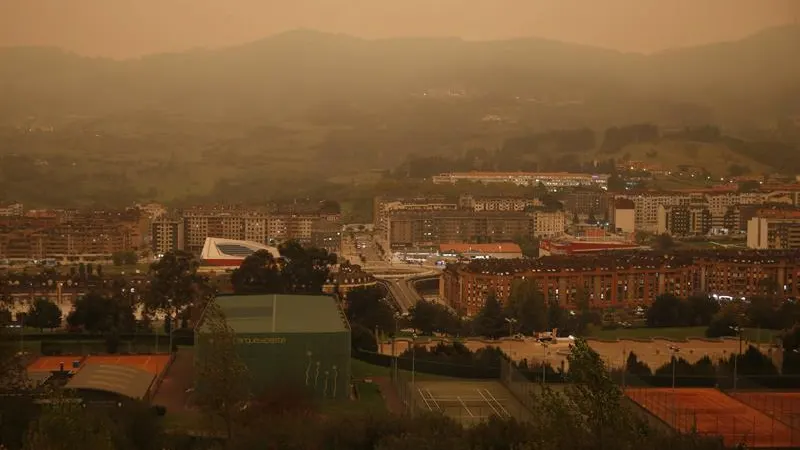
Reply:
x=393 y=402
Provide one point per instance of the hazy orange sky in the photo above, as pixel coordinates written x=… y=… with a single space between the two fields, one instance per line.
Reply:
x=125 y=28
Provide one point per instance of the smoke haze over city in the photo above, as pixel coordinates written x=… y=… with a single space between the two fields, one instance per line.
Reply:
x=121 y=28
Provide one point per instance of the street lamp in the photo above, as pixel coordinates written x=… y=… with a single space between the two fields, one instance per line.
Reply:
x=397 y=317
x=511 y=322
x=413 y=360
x=675 y=350
x=738 y=330
x=544 y=361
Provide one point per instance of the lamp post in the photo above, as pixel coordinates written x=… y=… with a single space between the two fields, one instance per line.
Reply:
x=738 y=330
x=397 y=317
x=675 y=350
x=544 y=361
x=511 y=322
x=413 y=360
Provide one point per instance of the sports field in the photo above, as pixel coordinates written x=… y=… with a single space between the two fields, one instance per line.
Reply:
x=784 y=406
x=714 y=413
x=53 y=363
x=469 y=402
x=154 y=364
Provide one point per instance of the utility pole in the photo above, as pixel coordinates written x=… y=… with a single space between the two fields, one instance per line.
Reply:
x=738 y=331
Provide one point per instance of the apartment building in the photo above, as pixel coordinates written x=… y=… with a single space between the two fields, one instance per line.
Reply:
x=692 y=220
x=552 y=179
x=73 y=235
x=429 y=229
x=12 y=209
x=327 y=235
x=646 y=207
x=774 y=229
x=247 y=226
x=548 y=223
x=383 y=207
x=584 y=202
x=623 y=280
x=167 y=235
x=503 y=204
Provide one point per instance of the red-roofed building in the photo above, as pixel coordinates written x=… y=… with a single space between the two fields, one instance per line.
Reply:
x=502 y=250
x=575 y=247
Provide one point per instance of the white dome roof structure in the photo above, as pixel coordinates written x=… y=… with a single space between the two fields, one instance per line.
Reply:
x=229 y=253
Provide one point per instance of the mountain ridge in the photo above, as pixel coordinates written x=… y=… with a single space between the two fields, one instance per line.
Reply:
x=298 y=69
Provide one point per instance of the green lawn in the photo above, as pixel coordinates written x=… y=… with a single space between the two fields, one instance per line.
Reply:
x=750 y=334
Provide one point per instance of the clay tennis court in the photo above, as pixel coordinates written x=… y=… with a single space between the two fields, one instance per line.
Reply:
x=53 y=363
x=469 y=402
x=712 y=412
x=151 y=363
x=784 y=406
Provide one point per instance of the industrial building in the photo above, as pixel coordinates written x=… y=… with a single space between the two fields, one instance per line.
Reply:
x=288 y=342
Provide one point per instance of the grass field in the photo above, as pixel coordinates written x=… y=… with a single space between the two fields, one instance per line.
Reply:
x=750 y=334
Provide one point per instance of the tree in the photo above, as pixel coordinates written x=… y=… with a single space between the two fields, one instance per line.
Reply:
x=635 y=367
x=43 y=314
x=97 y=313
x=175 y=286
x=259 y=273
x=490 y=321
x=761 y=313
x=222 y=385
x=126 y=258
x=702 y=309
x=368 y=307
x=362 y=338
x=667 y=311
x=82 y=271
x=664 y=242
x=526 y=305
x=65 y=425
x=89 y=270
x=99 y=271
x=305 y=269
x=430 y=317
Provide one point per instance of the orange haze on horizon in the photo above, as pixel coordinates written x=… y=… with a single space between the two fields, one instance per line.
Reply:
x=129 y=28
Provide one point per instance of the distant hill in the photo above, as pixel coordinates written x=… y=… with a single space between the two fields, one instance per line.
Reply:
x=291 y=72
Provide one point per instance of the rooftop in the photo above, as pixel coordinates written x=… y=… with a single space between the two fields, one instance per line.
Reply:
x=504 y=247
x=273 y=313
x=124 y=380
x=607 y=261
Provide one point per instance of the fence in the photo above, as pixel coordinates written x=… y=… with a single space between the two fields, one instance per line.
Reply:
x=785 y=407
x=427 y=366
x=735 y=425
x=518 y=383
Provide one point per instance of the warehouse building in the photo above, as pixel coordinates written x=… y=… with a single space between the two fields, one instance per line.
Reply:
x=289 y=341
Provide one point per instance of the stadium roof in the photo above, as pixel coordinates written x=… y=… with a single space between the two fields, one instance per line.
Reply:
x=231 y=252
x=124 y=380
x=282 y=313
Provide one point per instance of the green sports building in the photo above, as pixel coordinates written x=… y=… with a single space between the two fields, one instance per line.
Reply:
x=289 y=341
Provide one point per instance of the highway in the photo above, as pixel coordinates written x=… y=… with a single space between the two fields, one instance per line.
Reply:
x=402 y=293
x=395 y=277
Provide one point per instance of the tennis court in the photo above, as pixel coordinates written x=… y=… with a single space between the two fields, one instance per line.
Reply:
x=469 y=402
x=154 y=364
x=711 y=412
x=54 y=363
x=784 y=406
